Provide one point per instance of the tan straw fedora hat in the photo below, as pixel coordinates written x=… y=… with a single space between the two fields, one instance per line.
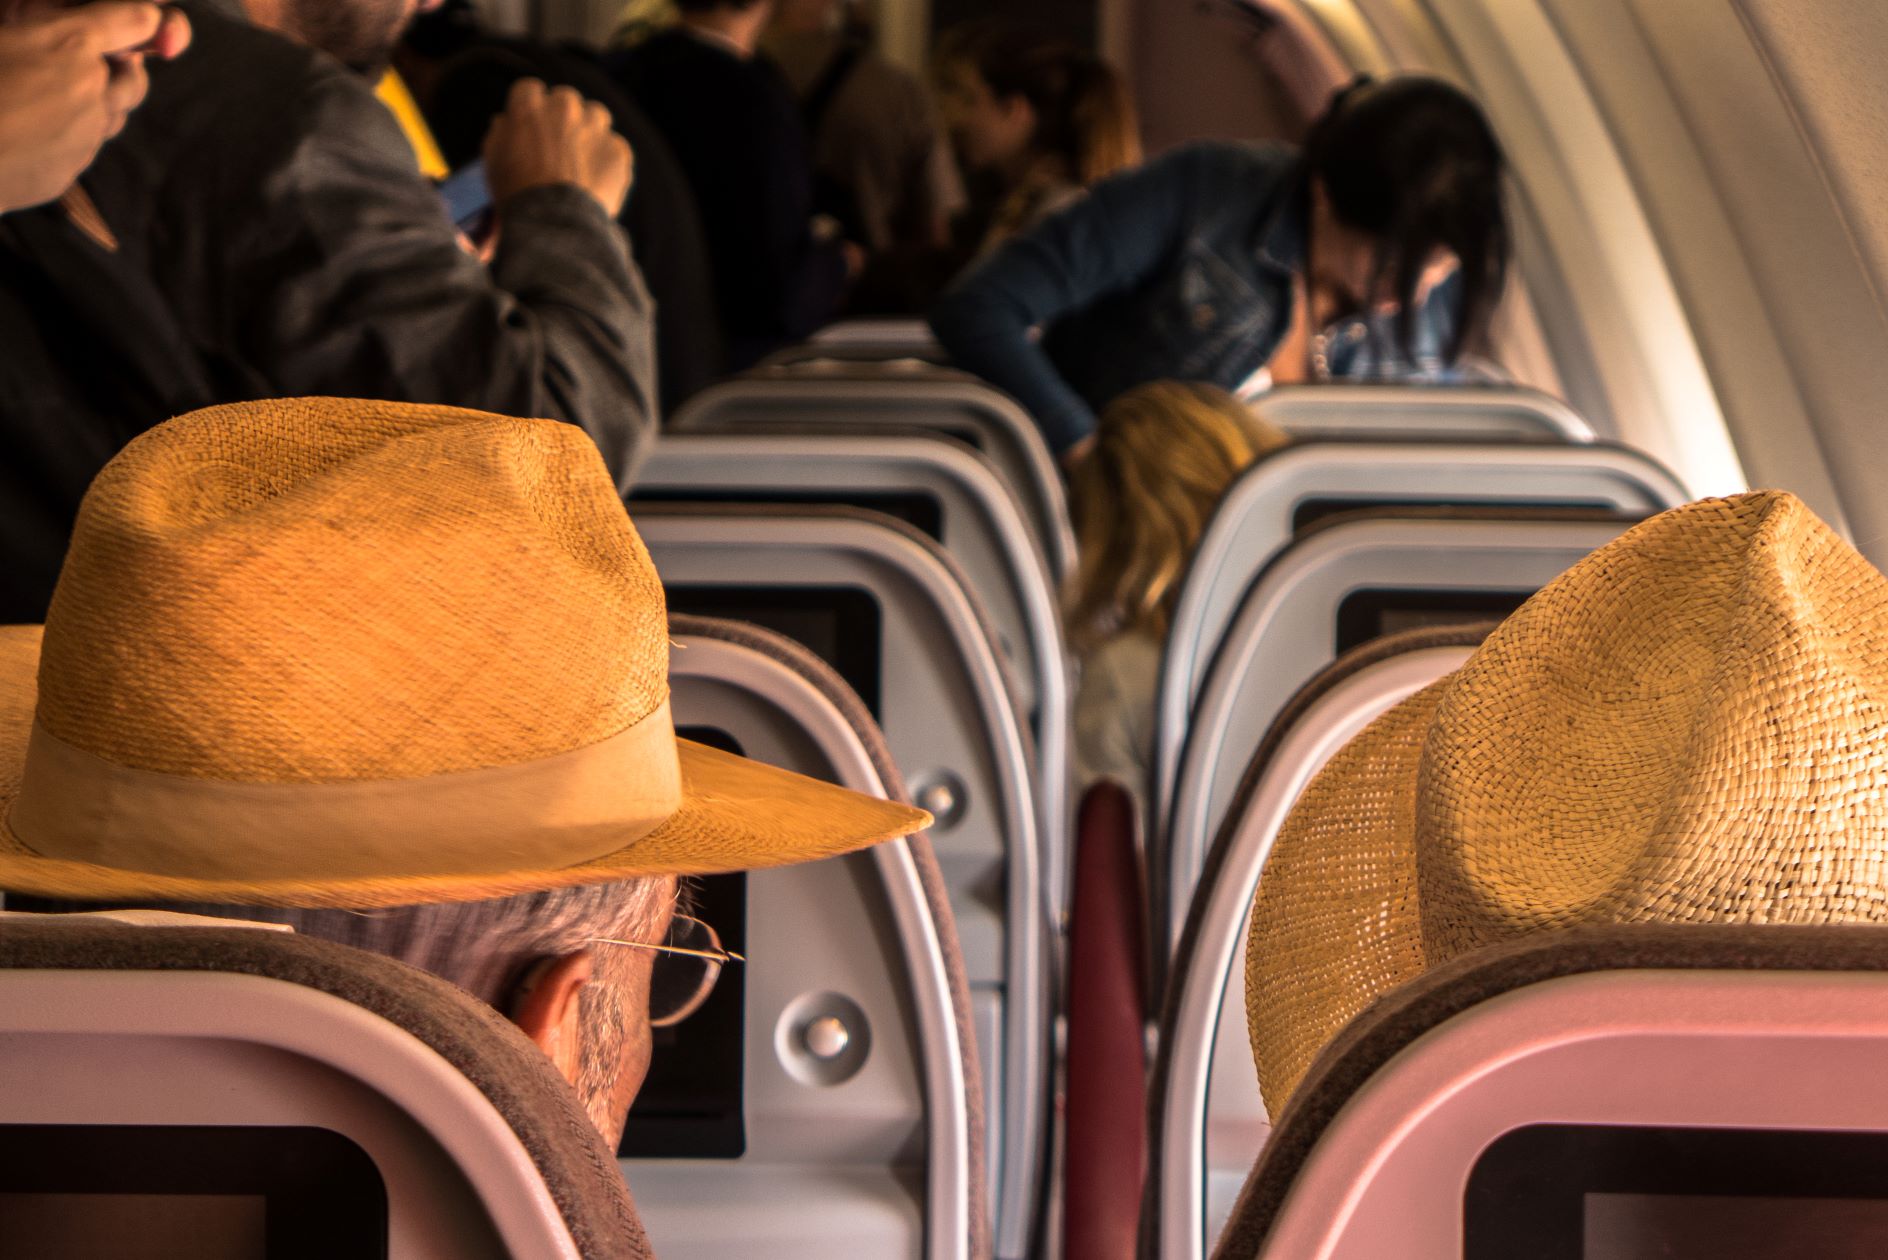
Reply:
x=327 y=653
x=1689 y=726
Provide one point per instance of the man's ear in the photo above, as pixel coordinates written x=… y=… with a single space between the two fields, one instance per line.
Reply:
x=546 y=1008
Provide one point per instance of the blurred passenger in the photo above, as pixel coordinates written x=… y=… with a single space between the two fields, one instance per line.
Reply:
x=881 y=165
x=1377 y=251
x=1163 y=456
x=639 y=19
x=304 y=253
x=396 y=676
x=734 y=125
x=468 y=74
x=1036 y=117
x=89 y=353
x=68 y=80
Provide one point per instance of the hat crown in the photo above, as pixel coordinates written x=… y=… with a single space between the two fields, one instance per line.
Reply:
x=317 y=590
x=1688 y=725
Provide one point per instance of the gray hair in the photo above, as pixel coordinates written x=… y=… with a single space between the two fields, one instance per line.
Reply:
x=486 y=947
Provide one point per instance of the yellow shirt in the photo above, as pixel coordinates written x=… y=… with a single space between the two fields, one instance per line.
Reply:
x=394 y=95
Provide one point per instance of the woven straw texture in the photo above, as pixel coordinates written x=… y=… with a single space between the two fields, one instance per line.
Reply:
x=1686 y=727
x=286 y=592
x=313 y=591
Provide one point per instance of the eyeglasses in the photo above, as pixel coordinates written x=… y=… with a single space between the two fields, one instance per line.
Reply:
x=685 y=970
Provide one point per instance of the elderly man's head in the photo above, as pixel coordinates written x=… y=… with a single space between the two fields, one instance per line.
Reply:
x=549 y=961
x=408 y=664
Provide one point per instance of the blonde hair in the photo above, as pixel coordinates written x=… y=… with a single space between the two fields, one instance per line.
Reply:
x=1164 y=453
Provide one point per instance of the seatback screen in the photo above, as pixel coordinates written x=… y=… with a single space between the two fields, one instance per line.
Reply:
x=134 y=1226
x=920 y=511
x=1624 y=1192
x=840 y=624
x=210 y=1192
x=1371 y=614
x=1724 y=1227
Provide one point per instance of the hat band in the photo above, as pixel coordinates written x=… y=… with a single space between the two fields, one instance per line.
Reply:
x=538 y=815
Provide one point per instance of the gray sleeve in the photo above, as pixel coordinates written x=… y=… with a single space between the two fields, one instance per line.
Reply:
x=352 y=283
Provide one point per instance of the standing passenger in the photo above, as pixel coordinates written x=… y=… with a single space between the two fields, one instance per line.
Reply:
x=304 y=254
x=877 y=144
x=89 y=356
x=733 y=123
x=1034 y=116
x=1379 y=250
x=260 y=230
x=1163 y=457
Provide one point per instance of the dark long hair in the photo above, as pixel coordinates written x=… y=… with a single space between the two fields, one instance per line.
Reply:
x=1412 y=162
x=1084 y=111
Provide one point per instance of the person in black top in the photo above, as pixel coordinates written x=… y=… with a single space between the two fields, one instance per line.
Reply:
x=463 y=74
x=735 y=125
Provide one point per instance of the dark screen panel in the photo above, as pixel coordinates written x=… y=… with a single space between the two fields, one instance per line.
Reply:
x=692 y=1103
x=1310 y=511
x=920 y=511
x=1370 y=614
x=215 y=1192
x=839 y=624
x=1614 y=1192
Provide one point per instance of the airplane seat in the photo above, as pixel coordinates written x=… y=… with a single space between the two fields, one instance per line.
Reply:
x=896 y=398
x=1344 y=580
x=1283 y=494
x=1205 y=1118
x=1106 y=1057
x=881 y=603
x=232 y=1092
x=1614 y=1091
x=951 y=493
x=1471 y=412
x=781 y=703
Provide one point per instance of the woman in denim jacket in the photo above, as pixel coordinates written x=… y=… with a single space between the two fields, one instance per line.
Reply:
x=1377 y=252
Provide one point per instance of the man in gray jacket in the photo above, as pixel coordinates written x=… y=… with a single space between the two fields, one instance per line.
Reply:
x=283 y=220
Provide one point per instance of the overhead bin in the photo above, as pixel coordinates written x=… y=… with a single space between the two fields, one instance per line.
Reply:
x=885 y=607
x=1463 y=412
x=1293 y=487
x=1207 y=1119
x=854 y=1021
x=1350 y=579
x=940 y=487
x=952 y=402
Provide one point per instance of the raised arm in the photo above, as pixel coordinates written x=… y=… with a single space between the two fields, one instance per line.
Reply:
x=1111 y=241
x=343 y=275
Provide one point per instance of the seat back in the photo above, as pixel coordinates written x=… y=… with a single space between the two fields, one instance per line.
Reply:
x=865 y=940
x=946 y=490
x=1621 y=1091
x=1345 y=581
x=901 y=397
x=1106 y=1133
x=1286 y=491
x=883 y=605
x=864 y=341
x=1207 y=1120
x=1462 y=412
x=232 y=1064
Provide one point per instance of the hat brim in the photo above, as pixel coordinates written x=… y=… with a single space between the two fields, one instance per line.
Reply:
x=1337 y=921
x=736 y=815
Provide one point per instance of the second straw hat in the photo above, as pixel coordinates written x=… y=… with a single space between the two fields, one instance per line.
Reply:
x=1689 y=726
